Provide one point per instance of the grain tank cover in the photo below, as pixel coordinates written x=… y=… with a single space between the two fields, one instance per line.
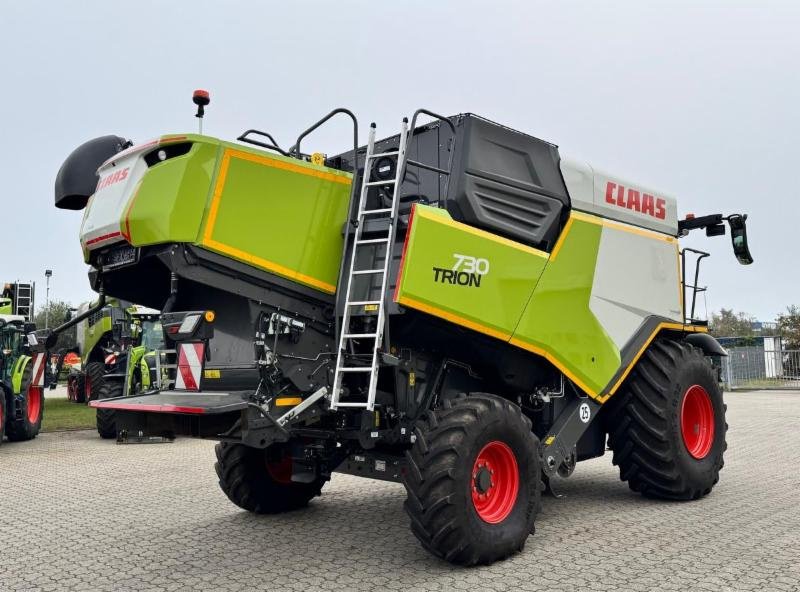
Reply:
x=507 y=182
x=77 y=177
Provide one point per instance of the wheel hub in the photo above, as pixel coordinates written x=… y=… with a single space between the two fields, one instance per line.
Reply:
x=495 y=482
x=697 y=421
x=483 y=479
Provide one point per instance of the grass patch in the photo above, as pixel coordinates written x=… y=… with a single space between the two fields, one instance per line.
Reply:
x=60 y=414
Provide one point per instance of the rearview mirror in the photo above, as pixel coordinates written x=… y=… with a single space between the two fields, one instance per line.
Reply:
x=739 y=238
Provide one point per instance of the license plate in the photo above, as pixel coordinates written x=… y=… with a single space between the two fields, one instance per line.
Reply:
x=119 y=257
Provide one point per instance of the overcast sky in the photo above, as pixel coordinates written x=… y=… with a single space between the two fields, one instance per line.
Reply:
x=698 y=99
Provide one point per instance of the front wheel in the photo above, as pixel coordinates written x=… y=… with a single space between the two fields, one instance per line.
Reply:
x=106 y=419
x=473 y=480
x=667 y=425
x=31 y=402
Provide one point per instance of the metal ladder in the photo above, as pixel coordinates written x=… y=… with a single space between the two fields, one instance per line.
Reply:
x=23 y=297
x=382 y=271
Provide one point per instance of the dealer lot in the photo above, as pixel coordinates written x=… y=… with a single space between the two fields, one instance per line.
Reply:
x=80 y=513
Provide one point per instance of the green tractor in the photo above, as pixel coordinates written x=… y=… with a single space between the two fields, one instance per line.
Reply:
x=22 y=375
x=135 y=367
x=457 y=308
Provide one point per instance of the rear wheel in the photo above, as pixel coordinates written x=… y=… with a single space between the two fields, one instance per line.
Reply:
x=473 y=480
x=31 y=402
x=107 y=418
x=94 y=379
x=667 y=425
x=260 y=481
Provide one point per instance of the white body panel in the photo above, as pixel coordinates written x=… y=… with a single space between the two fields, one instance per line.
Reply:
x=635 y=277
x=118 y=180
x=597 y=192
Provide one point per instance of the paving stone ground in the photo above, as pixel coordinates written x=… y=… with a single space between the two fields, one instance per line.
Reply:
x=79 y=513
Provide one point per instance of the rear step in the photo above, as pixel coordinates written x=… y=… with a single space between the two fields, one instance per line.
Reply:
x=183 y=403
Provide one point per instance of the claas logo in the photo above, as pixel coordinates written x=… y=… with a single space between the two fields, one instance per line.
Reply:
x=638 y=201
x=112 y=178
x=466 y=271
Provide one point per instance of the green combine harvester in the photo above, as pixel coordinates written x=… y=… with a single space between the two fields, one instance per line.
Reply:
x=117 y=347
x=457 y=307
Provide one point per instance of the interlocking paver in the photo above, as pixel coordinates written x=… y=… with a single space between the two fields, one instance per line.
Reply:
x=80 y=513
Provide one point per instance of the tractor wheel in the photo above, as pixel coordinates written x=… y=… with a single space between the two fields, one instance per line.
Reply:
x=2 y=415
x=93 y=380
x=28 y=425
x=473 y=480
x=76 y=392
x=260 y=481
x=107 y=418
x=667 y=424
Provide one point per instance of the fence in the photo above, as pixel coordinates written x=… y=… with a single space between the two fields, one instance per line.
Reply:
x=761 y=367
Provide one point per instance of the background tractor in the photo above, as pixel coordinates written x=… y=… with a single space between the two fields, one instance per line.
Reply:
x=22 y=369
x=457 y=307
x=116 y=344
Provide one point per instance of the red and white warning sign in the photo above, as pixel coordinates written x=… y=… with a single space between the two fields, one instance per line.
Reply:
x=190 y=366
x=38 y=365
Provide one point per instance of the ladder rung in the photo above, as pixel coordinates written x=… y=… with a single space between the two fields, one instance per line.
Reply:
x=355 y=369
x=382 y=154
x=380 y=211
x=372 y=241
x=367 y=271
x=363 y=302
x=374 y=183
x=351 y=404
x=360 y=335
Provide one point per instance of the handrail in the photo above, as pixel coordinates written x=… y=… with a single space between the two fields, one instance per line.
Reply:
x=272 y=146
x=295 y=150
x=701 y=255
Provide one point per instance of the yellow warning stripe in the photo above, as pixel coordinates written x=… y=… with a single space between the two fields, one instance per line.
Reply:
x=453 y=318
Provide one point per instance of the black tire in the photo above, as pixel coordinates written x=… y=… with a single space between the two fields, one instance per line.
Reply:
x=2 y=414
x=94 y=379
x=27 y=426
x=644 y=424
x=256 y=480
x=107 y=418
x=440 y=479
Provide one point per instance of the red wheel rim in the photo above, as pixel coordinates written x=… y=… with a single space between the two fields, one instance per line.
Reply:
x=495 y=482
x=87 y=388
x=697 y=421
x=280 y=470
x=34 y=403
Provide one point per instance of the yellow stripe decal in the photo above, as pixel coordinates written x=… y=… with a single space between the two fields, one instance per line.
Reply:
x=289 y=166
x=254 y=259
x=453 y=318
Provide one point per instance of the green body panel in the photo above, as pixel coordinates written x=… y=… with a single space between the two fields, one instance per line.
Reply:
x=171 y=198
x=16 y=374
x=494 y=300
x=6 y=306
x=558 y=319
x=290 y=225
x=532 y=299
x=93 y=333
x=136 y=360
x=276 y=213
